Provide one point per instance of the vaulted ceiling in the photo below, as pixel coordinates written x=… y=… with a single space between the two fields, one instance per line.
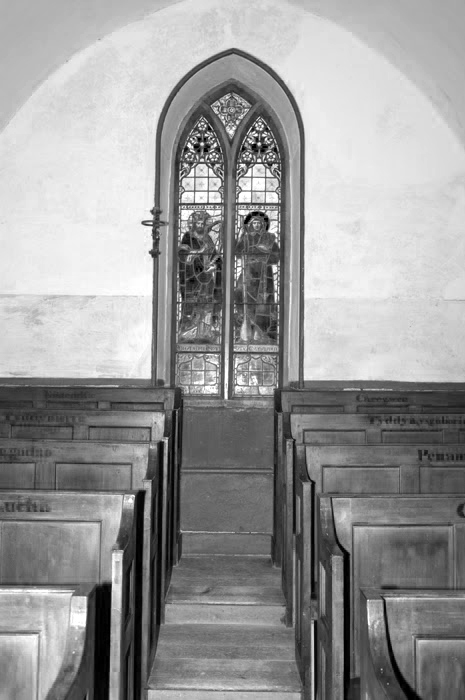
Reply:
x=425 y=39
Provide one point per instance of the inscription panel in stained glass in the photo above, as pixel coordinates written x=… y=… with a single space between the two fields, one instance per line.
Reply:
x=198 y=373
x=255 y=375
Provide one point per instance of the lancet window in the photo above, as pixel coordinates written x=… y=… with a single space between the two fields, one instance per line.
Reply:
x=229 y=249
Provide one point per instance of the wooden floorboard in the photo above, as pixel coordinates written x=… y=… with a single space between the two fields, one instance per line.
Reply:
x=225 y=641
x=215 y=674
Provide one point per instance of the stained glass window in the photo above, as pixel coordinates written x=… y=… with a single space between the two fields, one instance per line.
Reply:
x=228 y=296
x=200 y=253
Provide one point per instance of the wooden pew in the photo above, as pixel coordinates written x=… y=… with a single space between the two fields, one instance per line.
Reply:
x=343 y=473
x=383 y=542
x=109 y=425
x=334 y=401
x=412 y=645
x=102 y=466
x=75 y=537
x=47 y=640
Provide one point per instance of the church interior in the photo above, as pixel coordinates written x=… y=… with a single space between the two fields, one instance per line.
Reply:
x=232 y=378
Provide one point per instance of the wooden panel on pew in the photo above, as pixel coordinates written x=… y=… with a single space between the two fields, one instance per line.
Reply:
x=94 y=466
x=72 y=464
x=47 y=638
x=372 y=400
x=89 y=397
x=75 y=537
x=412 y=644
x=384 y=542
x=376 y=429
x=74 y=424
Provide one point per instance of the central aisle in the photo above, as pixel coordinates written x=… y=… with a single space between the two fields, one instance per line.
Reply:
x=224 y=636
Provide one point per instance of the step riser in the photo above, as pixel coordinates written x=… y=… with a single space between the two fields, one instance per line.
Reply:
x=219 y=695
x=212 y=543
x=226 y=614
x=215 y=501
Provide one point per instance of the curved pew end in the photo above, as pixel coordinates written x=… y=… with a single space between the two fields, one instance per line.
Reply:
x=47 y=641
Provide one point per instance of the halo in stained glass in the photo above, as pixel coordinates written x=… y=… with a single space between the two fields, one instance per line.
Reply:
x=231 y=110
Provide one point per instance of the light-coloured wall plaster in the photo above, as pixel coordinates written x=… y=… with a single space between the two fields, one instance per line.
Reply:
x=385 y=183
x=75 y=336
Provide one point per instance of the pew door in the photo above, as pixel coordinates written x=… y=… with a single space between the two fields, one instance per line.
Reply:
x=228 y=249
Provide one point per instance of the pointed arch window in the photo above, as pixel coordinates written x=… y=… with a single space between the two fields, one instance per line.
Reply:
x=229 y=243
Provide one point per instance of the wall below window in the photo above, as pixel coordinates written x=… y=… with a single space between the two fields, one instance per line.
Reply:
x=75 y=336
x=384 y=289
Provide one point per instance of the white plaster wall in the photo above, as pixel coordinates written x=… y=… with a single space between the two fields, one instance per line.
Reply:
x=384 y=199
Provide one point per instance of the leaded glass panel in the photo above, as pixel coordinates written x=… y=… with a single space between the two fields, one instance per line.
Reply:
x=231 y=110
x=228 y=296
x=200 y=258
x=257 y=262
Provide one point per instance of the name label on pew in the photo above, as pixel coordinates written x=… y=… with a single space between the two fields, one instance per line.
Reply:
x=416 y=421
x=440 y=456
x=67 y=395
x=27 y=418
x=363 y=398
x=24 y=452
x=25 y=506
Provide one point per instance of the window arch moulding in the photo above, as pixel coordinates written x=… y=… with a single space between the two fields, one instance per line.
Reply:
x=232 y=71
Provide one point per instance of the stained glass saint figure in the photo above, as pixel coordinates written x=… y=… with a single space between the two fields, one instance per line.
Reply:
x=255 y=295
x=200 y=264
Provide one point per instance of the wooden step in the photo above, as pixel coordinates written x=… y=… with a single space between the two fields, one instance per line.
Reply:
x=225 y=614
x=225 y=659
x=225 y=590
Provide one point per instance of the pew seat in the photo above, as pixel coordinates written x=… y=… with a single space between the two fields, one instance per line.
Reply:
x=49 y=538
x=384 y=542
x=412 y=645
x=47 y=640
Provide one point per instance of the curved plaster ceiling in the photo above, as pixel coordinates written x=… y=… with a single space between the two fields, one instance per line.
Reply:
x=425 y=39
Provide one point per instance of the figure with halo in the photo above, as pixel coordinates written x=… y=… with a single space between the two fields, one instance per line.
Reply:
x=200 y=280
x=255 y=294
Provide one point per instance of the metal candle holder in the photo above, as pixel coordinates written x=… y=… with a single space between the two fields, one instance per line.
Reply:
x=155 y=224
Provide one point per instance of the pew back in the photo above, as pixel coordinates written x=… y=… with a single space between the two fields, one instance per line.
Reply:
x=75 y=537
x=415 y=468
x=73 y=424
x=72 y=464
x=376 y=429
x=412 y=644
x=47 y=642
x=370 y=400
x=379 y=542
x=89 y=397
